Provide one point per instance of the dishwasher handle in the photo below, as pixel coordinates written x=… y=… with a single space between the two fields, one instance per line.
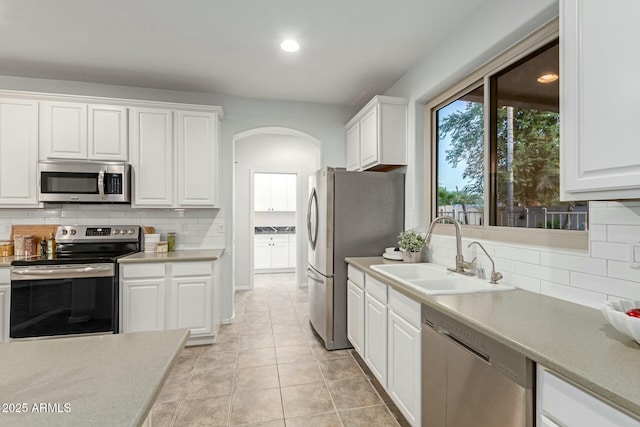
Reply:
x=479 y=354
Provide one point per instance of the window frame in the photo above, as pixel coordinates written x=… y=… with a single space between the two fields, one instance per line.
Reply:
x=569 y=239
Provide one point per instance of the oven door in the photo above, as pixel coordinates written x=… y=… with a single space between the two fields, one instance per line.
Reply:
x=52 y=300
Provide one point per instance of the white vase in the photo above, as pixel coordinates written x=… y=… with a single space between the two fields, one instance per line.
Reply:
x=411 y=256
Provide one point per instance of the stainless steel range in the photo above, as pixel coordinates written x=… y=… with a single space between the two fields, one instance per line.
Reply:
x=74 y=291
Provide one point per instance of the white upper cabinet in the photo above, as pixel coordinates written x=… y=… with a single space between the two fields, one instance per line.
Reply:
x=274 y=192
x=151 y=156
x=353 y=147
x=197 y=146
x=18 y=152
x=175 y=171
x=600 y=155
x=78 y=131
x=108 y=134
x=369 y=146
x=63 y=130
x=377 y=135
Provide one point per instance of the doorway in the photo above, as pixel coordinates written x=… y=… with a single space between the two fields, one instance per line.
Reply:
x=270 y=151
x=274 y=226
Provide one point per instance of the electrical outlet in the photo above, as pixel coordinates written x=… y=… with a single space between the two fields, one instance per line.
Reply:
x=184 y=226
x=221 y=228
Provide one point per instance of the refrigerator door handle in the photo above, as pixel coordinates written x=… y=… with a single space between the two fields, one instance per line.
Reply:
x=313 y=276
x=313 y=233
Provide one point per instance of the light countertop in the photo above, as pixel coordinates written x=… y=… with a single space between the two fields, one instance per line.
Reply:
x=106 y=380
x=570 y=339
x=182 y=255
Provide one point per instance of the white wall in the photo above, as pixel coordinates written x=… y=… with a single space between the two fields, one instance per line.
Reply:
x=322 y=121
x=270 y=153
x=585 y=277
x=497 y=25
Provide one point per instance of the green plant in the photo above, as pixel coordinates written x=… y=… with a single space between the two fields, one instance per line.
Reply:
x=411 y=240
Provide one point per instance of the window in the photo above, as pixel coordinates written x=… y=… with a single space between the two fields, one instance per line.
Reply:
x=497 y=148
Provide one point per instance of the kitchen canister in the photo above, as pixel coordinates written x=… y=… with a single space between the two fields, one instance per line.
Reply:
x=151 y=242
x=29 y=246
x=18 y=246
x=6 y=248
x=171 y=241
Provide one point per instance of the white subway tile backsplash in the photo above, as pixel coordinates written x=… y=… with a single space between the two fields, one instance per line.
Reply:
x=580 y=277
x=622 y=270
x=571 y=294
x=517 y=254
x=574 y=262
x=620 y=215
x=612 y=251
x=530 y=284
x=549 y=274
x=598 y=232
x=623 y=233
x=503 y=264
x=196 y=229
x=606 y=285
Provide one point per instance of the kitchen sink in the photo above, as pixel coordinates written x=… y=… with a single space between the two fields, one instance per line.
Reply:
x=433 y=279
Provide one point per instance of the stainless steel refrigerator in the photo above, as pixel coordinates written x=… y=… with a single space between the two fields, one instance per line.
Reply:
x=349 y=214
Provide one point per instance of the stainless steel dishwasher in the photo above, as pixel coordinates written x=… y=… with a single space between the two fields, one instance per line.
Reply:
x=469 y=379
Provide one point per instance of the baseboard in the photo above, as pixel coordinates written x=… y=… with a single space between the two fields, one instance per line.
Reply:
x=228 y=321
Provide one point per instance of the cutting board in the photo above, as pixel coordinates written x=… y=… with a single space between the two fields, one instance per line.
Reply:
x=35 y=230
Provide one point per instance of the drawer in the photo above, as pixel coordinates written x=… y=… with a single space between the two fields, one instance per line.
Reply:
x=199 y=268
x=376 y=288
x=132 y=271
x=566 y=404
x=356 y=276
x=405 y=307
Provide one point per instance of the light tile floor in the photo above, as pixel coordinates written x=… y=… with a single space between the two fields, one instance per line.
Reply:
x=268 y=369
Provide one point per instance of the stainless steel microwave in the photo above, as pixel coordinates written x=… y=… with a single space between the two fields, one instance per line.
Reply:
x=84 y=182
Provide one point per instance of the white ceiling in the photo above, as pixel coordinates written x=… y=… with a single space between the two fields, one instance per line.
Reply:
x=350 y=49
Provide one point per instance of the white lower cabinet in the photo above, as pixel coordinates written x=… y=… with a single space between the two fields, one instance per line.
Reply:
x=355 y=316
x=191 y=297
x=159 y=296
x=375 y=328
x=143 y=297
x=559 y=403
x=274 y=251
x=404 y=350
x=383 y=326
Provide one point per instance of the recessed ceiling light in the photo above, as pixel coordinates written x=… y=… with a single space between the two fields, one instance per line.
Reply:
x=548 y=78
x=289 y=45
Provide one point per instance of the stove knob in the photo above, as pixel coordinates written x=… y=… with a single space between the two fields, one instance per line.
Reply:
x=131 y=231
x=64 y=232
x=116 y=231
x=73 y=232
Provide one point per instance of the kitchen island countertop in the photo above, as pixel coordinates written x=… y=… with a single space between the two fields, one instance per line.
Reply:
x=573 y=340
x=106 y=380
x=177 y=256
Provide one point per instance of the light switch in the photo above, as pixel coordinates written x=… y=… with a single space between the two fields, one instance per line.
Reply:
x=634 y=254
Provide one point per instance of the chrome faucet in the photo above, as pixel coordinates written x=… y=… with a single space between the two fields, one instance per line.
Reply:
x=461 y=264
x=495 y=275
